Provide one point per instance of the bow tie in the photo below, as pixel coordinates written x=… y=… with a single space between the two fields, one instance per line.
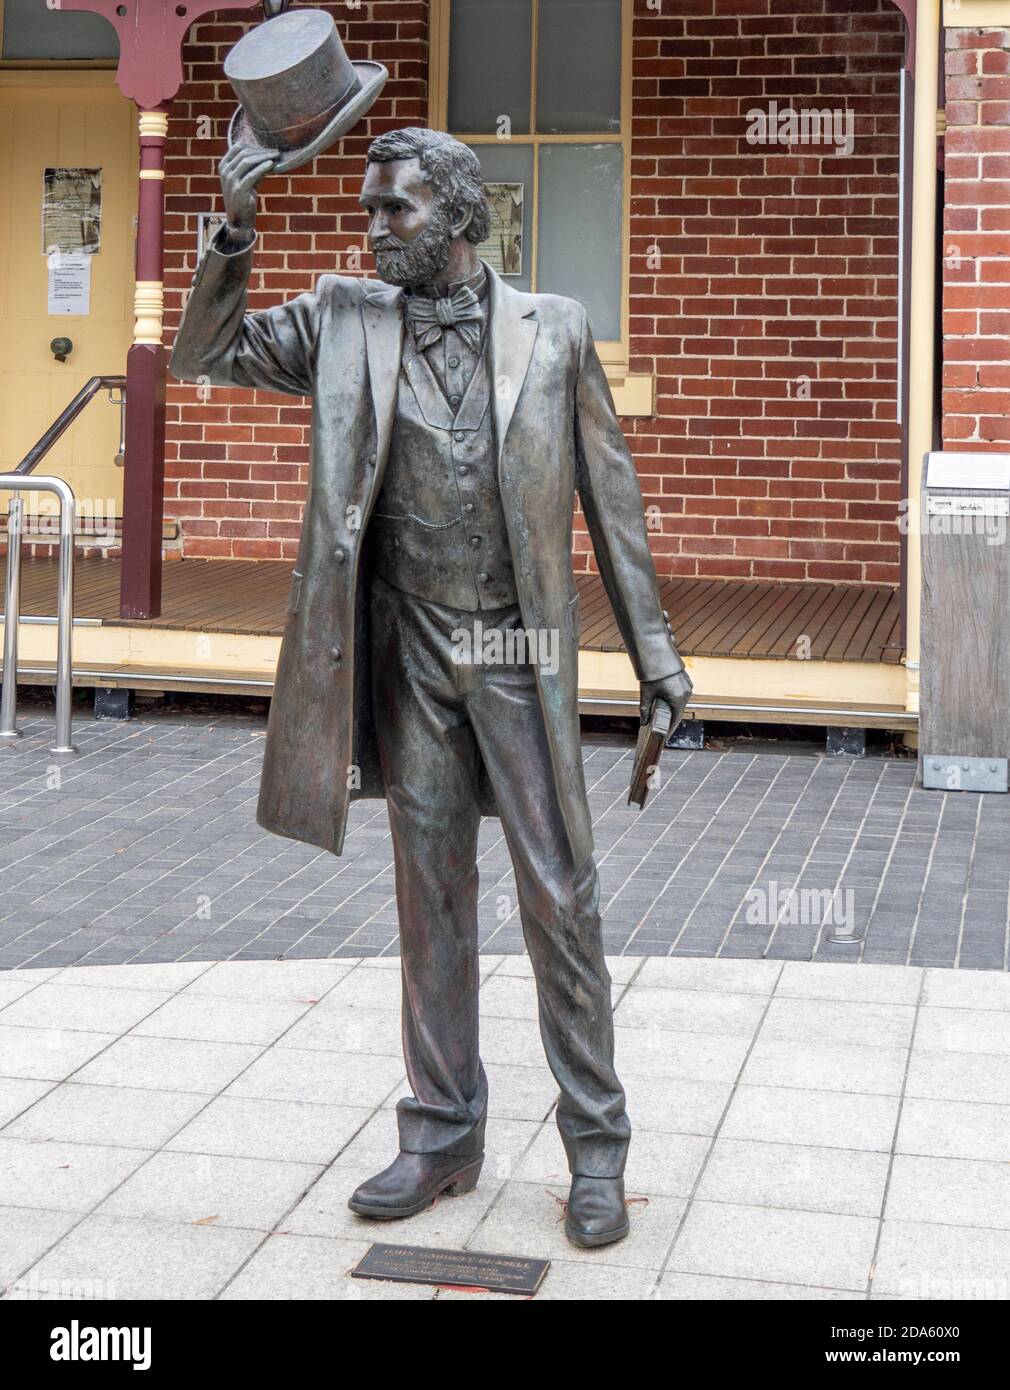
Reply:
x=461 y=311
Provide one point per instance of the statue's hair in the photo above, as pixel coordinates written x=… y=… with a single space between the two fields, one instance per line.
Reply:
x=452 y=169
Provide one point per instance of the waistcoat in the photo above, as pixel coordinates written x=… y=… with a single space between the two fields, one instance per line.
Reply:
x=438 y=529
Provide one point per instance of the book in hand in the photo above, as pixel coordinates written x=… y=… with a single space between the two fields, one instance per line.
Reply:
x=652 y=738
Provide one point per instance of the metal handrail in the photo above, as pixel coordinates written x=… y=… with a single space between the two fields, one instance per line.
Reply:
x=66 y=418
x=20 y=481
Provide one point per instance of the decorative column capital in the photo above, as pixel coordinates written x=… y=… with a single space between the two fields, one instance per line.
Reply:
x=153 y=125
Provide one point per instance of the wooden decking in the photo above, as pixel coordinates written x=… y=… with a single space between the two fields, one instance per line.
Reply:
x=761 y=620
x=711 y=617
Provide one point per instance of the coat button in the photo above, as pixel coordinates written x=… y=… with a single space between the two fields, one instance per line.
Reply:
x=335 y=654
x=453 y=362
x=339 y=554
x=463 y=469
x=483 y=577
x=459 y=437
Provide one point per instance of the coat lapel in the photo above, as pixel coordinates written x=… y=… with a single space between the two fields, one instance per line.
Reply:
x=383 y=322
x=512 y=333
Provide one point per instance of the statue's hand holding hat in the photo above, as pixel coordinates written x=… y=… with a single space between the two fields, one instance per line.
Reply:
x=299 y=91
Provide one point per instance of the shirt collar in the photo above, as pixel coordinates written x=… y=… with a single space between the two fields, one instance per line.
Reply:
x=476 y=282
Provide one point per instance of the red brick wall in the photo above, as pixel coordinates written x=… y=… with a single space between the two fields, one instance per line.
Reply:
x=774 y=265
x=976 y=250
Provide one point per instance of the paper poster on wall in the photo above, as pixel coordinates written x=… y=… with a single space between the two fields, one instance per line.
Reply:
x=503 y=249
x=208 y=225
x=69 y=283
x=72 y=211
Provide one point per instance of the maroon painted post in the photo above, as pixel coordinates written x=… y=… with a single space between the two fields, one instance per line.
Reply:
x=146 y=362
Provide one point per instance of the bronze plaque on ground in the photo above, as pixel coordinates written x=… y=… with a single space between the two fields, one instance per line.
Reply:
x=466 y=1269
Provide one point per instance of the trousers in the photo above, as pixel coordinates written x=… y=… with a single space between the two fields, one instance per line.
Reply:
x=440 y=716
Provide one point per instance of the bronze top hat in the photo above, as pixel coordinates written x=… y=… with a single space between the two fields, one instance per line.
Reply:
x=299 y=91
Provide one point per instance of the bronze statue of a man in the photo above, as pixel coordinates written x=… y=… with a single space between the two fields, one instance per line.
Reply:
x=454 y=420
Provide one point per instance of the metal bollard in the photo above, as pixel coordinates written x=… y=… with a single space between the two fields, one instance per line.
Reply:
x=64 y=611
x=12 y=613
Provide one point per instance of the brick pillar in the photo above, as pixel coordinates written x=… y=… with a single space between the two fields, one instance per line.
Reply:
x=976 y=243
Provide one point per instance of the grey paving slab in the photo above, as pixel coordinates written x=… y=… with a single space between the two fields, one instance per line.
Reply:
x=963 y=1030
x=808 y=1178
x=676 y=1106
x=210 y=1018
x=832 y=1020
x=949 y=1191
x=57 y=1005
x=211 y=1189
x=291 y=1131
x=168 y=1064
x=297 y=980
x=959 y=1076
x=955 y=1129
x=331 y=1078
x=878 y=984
x=692 y=1011
x=789 y=1115
x=128 y=1258
x=656 y=1053
x=925 y=1260
x=112 y=1115
x=341 y=1026
x=728 y=976
x=783 y=1246
x=18 y=1094
x=62 y=1176
x=48 y=1053
x=831 y=1066
x=706 y=1287
x=27 y=1233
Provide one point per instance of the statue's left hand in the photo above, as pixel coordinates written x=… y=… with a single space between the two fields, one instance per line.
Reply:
x=675 y=690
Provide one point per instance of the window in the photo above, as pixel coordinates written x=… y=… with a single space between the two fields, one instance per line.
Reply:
x=541 y=90
x=34 y=32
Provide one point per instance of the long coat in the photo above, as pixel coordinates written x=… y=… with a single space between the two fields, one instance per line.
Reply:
x=555 y=430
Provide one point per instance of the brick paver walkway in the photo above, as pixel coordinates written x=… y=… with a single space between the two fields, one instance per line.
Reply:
x=145 y=849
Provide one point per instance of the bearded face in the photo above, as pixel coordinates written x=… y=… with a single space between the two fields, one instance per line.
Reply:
x=418 y=261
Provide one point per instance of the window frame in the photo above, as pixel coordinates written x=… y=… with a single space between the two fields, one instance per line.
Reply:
x=614 y=353
x=53 y=64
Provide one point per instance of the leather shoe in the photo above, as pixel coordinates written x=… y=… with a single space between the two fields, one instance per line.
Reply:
x=412 y=1182
x=596 y=1214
